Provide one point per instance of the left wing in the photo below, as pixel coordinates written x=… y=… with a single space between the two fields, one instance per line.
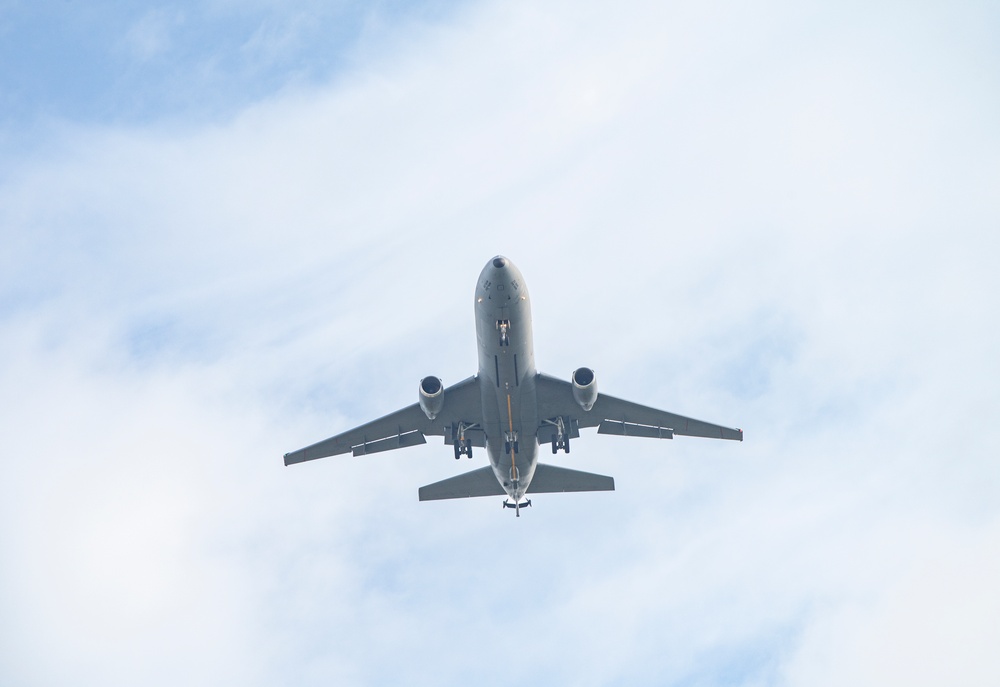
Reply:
x=406 y=427
x=616 y=416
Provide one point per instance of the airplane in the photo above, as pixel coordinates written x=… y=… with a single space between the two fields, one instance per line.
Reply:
x=510 y=409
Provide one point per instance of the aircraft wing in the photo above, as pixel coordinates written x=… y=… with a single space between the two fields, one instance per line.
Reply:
x=616 y=416
x=406 y=427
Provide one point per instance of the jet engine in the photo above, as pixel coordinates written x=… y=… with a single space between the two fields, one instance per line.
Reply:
x=432 y=396
x=585 y=387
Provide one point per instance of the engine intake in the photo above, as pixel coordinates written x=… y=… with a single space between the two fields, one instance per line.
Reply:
x=431 y=396
x=585 y=387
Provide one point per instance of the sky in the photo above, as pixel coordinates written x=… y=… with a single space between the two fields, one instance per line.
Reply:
x=233 y=229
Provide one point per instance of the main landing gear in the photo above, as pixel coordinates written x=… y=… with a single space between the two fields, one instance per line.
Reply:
x=560 y=439
x=562 y=443
x=463 y=446
x=510 y=442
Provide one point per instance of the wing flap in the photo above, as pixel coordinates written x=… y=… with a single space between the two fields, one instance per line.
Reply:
x=481 y=482
x=401 y=440
x=630 y=429
x=549 y=479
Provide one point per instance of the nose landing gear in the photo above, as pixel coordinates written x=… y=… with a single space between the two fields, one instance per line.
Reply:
x=504 y=327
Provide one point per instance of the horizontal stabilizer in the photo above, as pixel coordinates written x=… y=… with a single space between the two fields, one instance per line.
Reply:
x=549 y=479
x=481 y=482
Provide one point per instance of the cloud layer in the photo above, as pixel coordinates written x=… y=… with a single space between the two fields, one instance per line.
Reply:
x=779 y=218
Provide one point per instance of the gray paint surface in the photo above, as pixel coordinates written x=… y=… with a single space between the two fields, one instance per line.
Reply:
x=511 y=409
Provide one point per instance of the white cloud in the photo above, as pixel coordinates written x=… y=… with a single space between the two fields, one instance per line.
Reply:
x=935 y=622
x=776 y=219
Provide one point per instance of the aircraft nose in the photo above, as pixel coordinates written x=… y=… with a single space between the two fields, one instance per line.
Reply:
x=500 y=279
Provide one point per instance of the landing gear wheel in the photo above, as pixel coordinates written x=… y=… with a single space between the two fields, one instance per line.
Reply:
x=566 y=444
x=555 y=448
x=458 y=451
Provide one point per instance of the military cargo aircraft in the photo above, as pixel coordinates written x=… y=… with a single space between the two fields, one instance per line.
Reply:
x=510 y=410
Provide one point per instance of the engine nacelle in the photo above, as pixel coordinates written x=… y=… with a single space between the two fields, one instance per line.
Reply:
x=585 y=387
x=431 y=396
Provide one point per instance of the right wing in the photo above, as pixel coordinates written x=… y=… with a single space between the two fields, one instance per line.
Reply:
x=406 y=427
x=616 y=416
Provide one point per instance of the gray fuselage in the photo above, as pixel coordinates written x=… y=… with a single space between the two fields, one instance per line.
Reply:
x=507 y=374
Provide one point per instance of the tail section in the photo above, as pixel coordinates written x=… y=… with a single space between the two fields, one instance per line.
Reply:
x=548 y=479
